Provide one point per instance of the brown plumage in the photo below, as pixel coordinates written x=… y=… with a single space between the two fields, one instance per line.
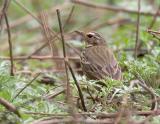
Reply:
x=97 y=60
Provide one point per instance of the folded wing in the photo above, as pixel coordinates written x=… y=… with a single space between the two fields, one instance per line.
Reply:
x=98 y=62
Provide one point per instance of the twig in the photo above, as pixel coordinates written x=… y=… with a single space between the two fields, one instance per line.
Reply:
x=123 y=110
x=137 y=29
x=78 y=87
x=28 y=84
x=69 y=120
x=42 y=23
x=45 y=27
x=3 y=11
x=74 y=49
x=154 y=98
x=28 y=11
x=100 y=114
x=112 y=8
x=67 y=64
x=40 y=48
x=154 y=33
x=30 y=72
x=140 y=113
x=46 y=114
x=39 y=58
x=51 y=96
x=67 y=87
x=93 y=99
x=131 y=49
x=27 y=18
x=66 y=22
x=37 y=50
x=31 y=14
x=106 y=118
x=61 y=32
x=9 y=106
x=69 y=17
x=10 y=44
x=154 y=18
x=151 y=31
x=29 y=101
x=55 y=35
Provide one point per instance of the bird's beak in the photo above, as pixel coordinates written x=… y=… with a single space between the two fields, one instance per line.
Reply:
x=80 y=33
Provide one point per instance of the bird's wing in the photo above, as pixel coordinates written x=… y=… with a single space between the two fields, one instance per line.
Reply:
x=100 y=62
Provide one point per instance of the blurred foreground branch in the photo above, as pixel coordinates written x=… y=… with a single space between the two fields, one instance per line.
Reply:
x=112 y=8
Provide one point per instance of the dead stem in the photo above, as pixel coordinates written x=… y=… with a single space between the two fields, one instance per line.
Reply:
x=67 y=85
x=10 y=44
x=137 y=42
x=9 y=106
x=78 y=87
x=111 y=8
x=28 y=84
x=154 y=18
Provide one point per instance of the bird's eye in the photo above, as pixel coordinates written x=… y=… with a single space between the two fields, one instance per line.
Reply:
x=89 y=35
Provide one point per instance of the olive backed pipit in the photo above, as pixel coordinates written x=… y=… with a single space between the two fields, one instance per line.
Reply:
x=97 y=60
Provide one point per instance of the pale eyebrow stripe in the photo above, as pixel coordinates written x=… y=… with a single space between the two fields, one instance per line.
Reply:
x=91 y=33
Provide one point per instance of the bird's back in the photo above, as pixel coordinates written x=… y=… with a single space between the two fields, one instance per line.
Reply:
x=99 y=62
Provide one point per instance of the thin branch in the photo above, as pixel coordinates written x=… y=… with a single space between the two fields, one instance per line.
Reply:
x=42 y=23
x=45 y=27
x=151 y=31
x=54 y=35
x=39 y=58
x=67 y=64
x=93 y=99
x=104 y=117
x=9 y=106
x=78 y=87
x=70 y=120
x=61 y=32
x=37 y=50
x=30 y=72
x=140 y=113
x=74 y=49
x=151 y=92
x=69 y=17
x=10 y=44
x=3 y=11
x=27 y=18
x=100 y=114
x=111 y=8
x=28 y=84
x=154 y=18
x=46 y=114
x=67 y=90
x=53 y=95
x=154 y=34
x=137 y=29
x=28 y=11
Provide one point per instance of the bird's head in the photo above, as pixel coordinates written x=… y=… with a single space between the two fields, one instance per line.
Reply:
x=92 y=38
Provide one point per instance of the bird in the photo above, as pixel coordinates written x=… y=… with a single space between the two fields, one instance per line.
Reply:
x=97 y=59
